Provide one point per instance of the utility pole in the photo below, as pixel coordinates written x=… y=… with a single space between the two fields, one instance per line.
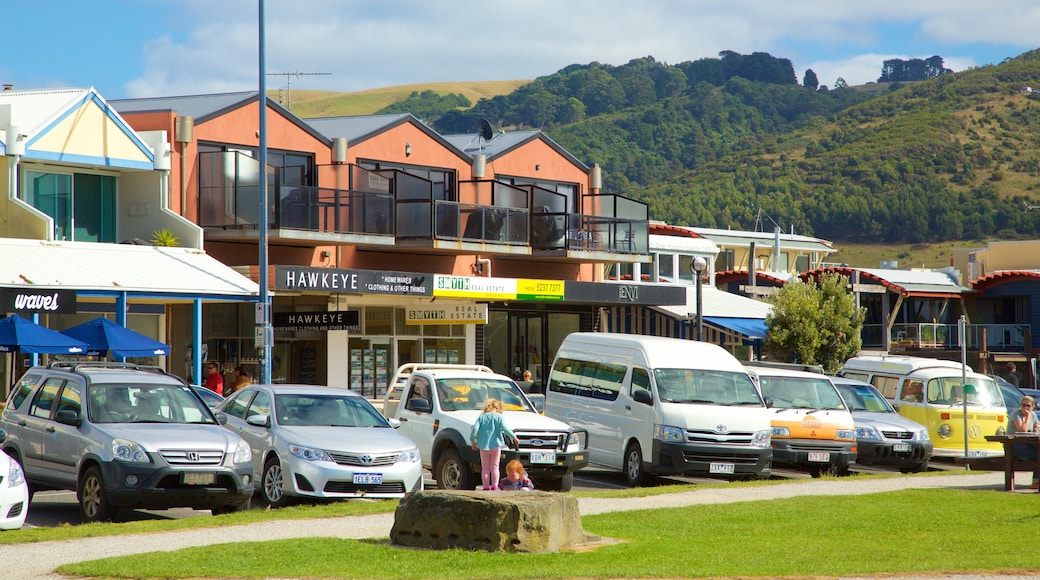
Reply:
x=287 y=99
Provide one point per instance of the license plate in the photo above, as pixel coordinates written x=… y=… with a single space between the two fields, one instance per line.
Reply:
x=720 y=468
x=543 y=457
x=819 y=457
x=976 y=453
x=368 y=478
x=901 y=447
x=192 y=478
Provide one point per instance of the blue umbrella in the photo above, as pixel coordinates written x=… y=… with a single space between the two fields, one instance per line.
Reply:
x=103 y=335
x=23 y=335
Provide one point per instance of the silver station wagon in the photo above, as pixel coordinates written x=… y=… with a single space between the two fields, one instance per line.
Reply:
x=123 y=436
x=321 y=442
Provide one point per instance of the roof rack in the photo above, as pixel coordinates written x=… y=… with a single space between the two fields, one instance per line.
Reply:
x=75 y=366
x=818 y=369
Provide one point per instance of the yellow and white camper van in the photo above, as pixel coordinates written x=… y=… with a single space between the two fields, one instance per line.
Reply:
x=937 y=393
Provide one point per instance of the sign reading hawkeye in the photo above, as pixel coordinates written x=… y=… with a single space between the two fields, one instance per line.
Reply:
x=447 y=314
x=296 y=321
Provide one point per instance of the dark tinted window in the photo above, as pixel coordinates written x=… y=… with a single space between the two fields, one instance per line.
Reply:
x=45 y=397
x=587 y=379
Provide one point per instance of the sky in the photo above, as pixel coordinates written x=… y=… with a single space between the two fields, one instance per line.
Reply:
x=147 y=48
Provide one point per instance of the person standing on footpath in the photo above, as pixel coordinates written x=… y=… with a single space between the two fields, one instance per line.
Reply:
x=241 y=380
x=486 y=437
x=214 y=380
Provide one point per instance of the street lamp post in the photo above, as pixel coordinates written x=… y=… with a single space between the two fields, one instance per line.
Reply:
x=699 y=266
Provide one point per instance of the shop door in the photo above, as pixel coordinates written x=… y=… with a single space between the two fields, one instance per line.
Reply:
x=526 y=334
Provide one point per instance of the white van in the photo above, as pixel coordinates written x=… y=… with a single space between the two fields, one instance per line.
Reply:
x=931 y=392
x=660 y=406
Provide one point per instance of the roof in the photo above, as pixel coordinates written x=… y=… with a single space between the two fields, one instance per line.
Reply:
x=360 y=128
x=921 y=283
x=682 y=243
x=52 y=121
x=109 y=269
x=995 y=279
x=204 y=108
x=503 y=142
x=718 y=303
x=745 y=238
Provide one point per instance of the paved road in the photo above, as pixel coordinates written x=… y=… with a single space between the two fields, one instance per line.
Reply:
x=38 y=560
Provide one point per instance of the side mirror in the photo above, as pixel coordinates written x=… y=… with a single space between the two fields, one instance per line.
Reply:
x=221 y=418
x=418 y=405
x=769 y=402
x=3 y=435
x=259 y=420
x=643 y=397
x=394 y=422
x=68 y=417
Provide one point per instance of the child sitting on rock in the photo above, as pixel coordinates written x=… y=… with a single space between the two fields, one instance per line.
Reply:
x=516 y=478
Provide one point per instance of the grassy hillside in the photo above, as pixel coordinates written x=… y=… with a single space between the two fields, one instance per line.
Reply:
x=938 y=255
x=333 y=104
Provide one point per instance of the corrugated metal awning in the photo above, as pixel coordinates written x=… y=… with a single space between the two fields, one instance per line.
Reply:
x=111 y=269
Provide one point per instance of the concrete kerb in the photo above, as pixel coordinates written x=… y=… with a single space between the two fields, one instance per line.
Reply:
x=24 y=561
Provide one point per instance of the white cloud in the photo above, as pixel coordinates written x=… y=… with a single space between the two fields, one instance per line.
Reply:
x=374 y=43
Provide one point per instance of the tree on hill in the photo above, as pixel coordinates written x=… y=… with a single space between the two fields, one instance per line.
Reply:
x=810 y=81
x=815 y=323
x=915 y=69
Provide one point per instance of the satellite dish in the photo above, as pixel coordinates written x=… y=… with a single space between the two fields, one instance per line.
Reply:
x=486 y=132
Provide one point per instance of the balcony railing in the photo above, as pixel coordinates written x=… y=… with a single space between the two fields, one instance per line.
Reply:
x=402 y=205
x=997 y=337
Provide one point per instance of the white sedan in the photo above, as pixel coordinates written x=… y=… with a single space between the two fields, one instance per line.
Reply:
x=321 y=442
x=14 y=492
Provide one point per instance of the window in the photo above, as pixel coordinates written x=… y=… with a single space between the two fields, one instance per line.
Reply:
x=45 y=397
x=442 y=180
x=640 y=381
x=725 y=260
x=19 y=394
x=70 y=399
x=665 y=268
x=261 y=405
x=587 y=379
x=82 y=205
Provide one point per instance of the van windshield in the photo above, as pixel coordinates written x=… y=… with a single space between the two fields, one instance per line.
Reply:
x=950 y=391
x=801 y=393
x=706 y=387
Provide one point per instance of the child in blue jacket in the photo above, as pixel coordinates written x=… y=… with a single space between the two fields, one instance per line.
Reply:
x=486 y=436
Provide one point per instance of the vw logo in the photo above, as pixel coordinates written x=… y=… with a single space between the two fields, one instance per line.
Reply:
x=537 y=442
x=366 y=459
x=720 y=428
x=193 y=456
x=975 y=430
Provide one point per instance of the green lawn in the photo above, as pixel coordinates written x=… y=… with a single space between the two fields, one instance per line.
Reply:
x=932 y=531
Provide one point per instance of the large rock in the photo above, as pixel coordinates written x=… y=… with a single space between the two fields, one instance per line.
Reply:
x=494 y=521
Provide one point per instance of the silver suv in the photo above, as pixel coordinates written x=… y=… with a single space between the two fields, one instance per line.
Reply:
x=124 y=436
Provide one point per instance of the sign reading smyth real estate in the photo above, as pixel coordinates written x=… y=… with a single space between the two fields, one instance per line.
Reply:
x=497 y=288
x=342 y=281
x=447 y=314
x=38 y=301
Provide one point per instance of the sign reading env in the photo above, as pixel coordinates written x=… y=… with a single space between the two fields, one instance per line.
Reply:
x=447 y=314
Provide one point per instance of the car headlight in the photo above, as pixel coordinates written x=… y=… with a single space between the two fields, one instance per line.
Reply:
x=761 y=438
x=126 y=450
x=576 y=441
x=243 y=454
x=410 y=455
x=781 y=432
x=309 y=453
x=846 y=435
x=922 y=435
x=669 y=433
x=868 y=433
x=15 y=477
x=944 y=431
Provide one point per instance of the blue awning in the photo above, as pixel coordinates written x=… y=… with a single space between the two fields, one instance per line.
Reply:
x=752 y=328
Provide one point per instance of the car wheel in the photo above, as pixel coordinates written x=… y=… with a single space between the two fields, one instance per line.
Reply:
x=634 y=473
x=271 y=491
x=831 y=470
x=93 y=503
x=916 y=468
x=453 y=473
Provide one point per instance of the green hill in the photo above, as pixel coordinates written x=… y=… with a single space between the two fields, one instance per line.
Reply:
x=306 y=103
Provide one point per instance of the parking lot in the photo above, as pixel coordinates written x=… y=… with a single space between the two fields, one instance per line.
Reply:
x=55 y=508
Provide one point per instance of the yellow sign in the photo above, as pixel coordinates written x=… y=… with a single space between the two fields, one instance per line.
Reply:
x=473 y=287
x=539 y=289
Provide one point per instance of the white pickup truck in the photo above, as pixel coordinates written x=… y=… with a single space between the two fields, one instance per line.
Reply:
x=437 y=404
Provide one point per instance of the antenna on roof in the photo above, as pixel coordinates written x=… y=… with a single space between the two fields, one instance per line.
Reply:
x=485 y=133
x=285 y=98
